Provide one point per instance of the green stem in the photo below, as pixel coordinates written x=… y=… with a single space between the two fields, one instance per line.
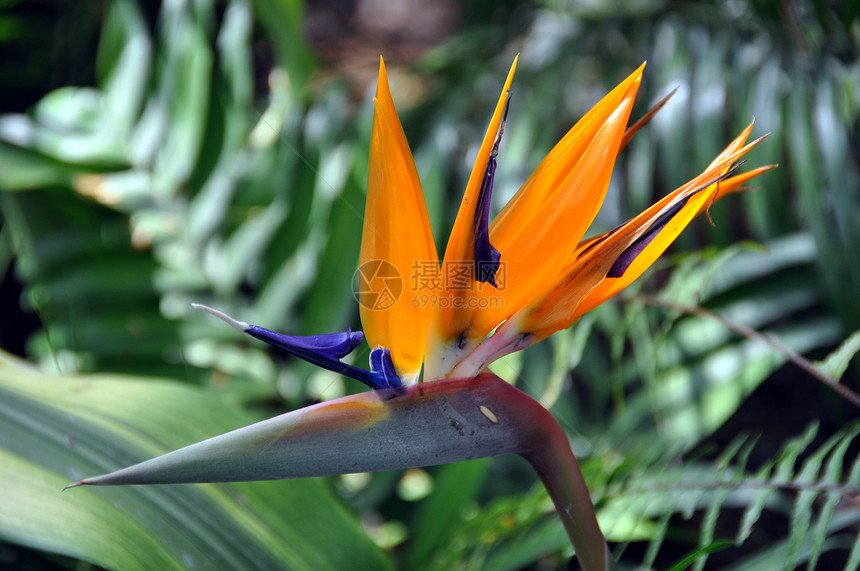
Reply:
x=559 y=471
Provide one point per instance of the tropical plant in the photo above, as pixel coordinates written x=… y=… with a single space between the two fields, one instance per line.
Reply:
x=187 y=174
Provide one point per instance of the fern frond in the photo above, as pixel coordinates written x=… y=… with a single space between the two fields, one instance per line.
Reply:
x=816 y=516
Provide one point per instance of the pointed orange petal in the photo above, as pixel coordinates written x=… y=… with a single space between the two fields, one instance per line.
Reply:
x=548 y=178
x=454 y=312
x=634 y=128
x=540 y=227
x=589 y=280
x=396 y=241
x=735 y=183
x=734 y=145
x=726 y=187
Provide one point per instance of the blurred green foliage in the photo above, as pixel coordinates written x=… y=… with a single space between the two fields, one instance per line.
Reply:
x=202 y=151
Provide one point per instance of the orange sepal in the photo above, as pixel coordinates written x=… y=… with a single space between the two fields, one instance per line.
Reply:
x=584 y=284
x=736 y=183
x=454 y=313
x=396 y=235
x=645 y=119
x=542 y=224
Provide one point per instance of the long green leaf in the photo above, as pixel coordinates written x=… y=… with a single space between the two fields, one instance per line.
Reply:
x=55 y=429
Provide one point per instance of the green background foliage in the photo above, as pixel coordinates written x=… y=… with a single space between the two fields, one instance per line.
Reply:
x=151 y=156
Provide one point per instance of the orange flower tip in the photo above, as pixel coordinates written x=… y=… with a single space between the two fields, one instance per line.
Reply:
x=759 y=140
x=759 y=170
x=382 y=81
x=635 y=127
x=747 y=176
x=626 y=258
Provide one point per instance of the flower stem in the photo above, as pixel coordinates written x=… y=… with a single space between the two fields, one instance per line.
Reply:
x=559 y=471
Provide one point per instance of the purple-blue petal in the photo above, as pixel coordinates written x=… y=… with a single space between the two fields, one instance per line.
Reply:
x=487 y=258
x=380 y=362
x=626 y=258
x=324 y=351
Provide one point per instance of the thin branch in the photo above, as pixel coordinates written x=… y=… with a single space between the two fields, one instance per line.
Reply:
x=843 y=489
x=750 y=333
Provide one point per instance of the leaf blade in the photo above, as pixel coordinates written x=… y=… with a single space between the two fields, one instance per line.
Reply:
x=54 y=429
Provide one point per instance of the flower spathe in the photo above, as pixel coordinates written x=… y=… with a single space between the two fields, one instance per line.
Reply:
x=396 y=230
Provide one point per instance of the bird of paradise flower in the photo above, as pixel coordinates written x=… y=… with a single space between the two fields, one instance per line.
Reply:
x=448 y=328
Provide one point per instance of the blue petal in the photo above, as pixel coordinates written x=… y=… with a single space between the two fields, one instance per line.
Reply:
x=324 y=351
x=330 y=345
x=380 y=362
x=626 y=258
x=622 y=262
x=487 y=257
